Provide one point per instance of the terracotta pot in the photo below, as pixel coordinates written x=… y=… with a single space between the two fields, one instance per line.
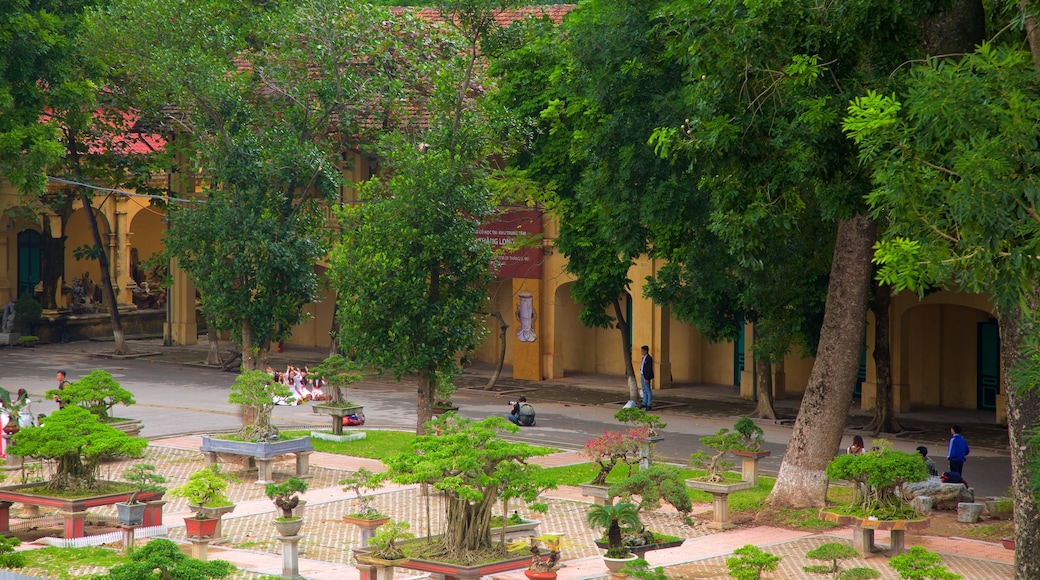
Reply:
x=203 y=528
x=1009 y=543
x=536 y=575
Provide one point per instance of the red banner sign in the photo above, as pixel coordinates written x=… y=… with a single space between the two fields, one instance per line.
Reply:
x=524 y=262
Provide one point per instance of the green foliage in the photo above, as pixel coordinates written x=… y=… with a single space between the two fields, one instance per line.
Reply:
x=338 y=372
x=77 y=441
x=920 y=564
x=882 y=472
x=97 y=392
x=751 y=435
x=475 y=468
x=27 y=312
x=386 y=537
x=161 y=559
x=256 y=391
x=375 y=445
x=145 y=478
x=8 y=557
x=640 y=419
x=286 y=495
x=652 y=485
x=835 y=552
x=612 y=519
x=749 y=562
x=358 y=482
x=640 y=569
x=206 y=487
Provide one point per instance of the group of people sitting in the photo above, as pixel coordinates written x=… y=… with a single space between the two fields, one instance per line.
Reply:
x=303 y=385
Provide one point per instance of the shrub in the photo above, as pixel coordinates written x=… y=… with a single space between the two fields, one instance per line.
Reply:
x=97 y=392
x=881 y=473
x=920 y=564
x=27 y=312
x=161 y=559
x=206 y=487
x=723 y=441
x=613 y=447
x=286 y=496
x=835 y=552
x=8 y=557
x=749 y=562
x=255 y=391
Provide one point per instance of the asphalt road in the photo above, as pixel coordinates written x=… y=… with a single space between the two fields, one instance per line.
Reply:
x=174 y=398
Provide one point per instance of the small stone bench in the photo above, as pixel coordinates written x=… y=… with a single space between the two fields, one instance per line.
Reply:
x=264 y=452
x=863 y=531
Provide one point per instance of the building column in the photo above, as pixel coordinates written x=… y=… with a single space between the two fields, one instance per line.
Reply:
x=528 y=336
x=8 y=270
x=650 y=326
x=120 y=252
x=747 y=376
x=184 y=328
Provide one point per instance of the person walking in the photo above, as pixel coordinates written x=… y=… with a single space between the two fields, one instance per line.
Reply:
x=959 y=450
x=646 y=376
x=62 y=383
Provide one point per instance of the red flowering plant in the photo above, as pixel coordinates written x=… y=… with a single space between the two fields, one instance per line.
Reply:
x=613 y=447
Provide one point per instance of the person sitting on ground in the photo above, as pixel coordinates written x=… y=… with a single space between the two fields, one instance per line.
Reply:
x=522 y=413
x=857 y=446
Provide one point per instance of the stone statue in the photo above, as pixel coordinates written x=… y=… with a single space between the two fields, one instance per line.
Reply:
x=8 y=319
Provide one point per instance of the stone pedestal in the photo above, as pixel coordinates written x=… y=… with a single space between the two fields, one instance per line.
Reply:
x=968 y=513
x=720 y=500
x=128 y=538
x=646 y=451
x=199 y=548
x=372 y=572
x=598 y=493
x=291 y=556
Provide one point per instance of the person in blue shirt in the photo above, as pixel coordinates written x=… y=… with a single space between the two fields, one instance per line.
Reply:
x=959 y=450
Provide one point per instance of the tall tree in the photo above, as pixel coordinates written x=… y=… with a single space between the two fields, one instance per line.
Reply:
x=410 y=273
x=954 y=160
x=767 y=84
x=58 y=120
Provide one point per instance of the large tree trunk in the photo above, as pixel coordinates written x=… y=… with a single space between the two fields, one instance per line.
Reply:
x=634 y=388
x=106 y=279
x=249 y=361
x=213 y=356
x=52 y=253
x=825 y=405
x=424 y=402
x=884 y=402
x=1023 y=409
x=503 y=326
x=764 y=390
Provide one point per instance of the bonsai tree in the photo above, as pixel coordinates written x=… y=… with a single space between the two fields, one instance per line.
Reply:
x=145 y=478
x=749 y=562
x=751 y=435
x=613 y=447
x=475 y=468
x=338 y=372
x=834 y=552
x=653 y=485
x=443 y=389
x=638 y=418
x=545 y=551
x=206 y=487
x=75 y=439
x=256 y=392
x=27 y=312
x=161 y=559
x=384 y=542
x=612 y=519
x=286 y=496
x=880 y=473
x=97 y=392
x=721 y=442
x=358 y=482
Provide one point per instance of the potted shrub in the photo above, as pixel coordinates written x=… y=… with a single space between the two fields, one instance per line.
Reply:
x=382 y=549
x=613 y=519
x=98 y=392
x=652 y=486
x=714 y=480
x=878 y=476
x=367 y=517
x=205 y=491
x=286 y=496
x=161 y=558
x=338 y=372
x=545 y=555
x=145 y=478
x=652 y=424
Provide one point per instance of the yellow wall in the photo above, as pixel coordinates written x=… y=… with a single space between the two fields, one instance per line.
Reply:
x=501 y=300
x=942 y=348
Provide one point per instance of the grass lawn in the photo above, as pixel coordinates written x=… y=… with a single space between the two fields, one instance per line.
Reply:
x=375 y=445
x=62 y=563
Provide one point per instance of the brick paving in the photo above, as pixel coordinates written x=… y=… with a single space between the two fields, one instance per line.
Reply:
x=327 y=543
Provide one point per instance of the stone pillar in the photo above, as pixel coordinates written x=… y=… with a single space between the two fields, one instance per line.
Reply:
x=303 y=464
x=290 y=556
x=128 y=538
x=200 y=548
x=8 y=269
x=747 y=376
x=153 y=513
x=370 y=572
x=183 y=326
x=264 y=471
x=526 y=330
x=120 y=252
x=73 y=523
x=5 y=516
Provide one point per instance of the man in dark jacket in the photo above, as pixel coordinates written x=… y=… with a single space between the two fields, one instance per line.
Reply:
x=646 y=376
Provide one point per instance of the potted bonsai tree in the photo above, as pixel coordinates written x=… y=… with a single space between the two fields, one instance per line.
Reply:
x=367 y=517
x=614 y=519
x=641 y=420
x=879 y=476
x=652 y=486
x=286 y=496
x=205 y=491
x=98 y=392
x=714 y=480
x=145 y=478
x=474 y=467
x=382 y=548
x=338 y=372
x=255 y=392
x=752 y=438
x=443 y=391
x=545 y=554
